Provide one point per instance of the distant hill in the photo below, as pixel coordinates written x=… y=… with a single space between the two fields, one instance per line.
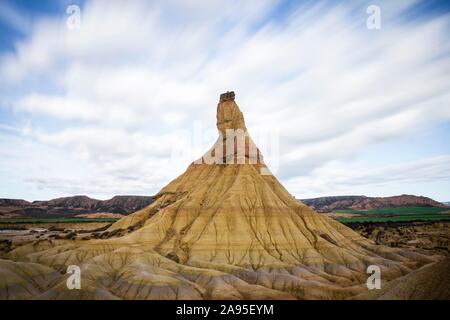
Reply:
x=124 y=205
x=329 y=204
x=71 y=206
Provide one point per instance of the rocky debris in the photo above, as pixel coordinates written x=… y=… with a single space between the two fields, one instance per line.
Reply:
x=5 y=246
x=431 y=237
x=70 y=235
x=55 y=228
x=329 y=204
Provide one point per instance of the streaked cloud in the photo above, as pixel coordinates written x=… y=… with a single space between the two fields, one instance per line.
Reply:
x=120 y=94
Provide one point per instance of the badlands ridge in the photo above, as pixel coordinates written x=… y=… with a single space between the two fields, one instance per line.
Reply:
x=224 y=229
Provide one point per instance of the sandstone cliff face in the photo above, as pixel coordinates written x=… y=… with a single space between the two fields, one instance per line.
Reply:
x=222 y=231
x=229 y=117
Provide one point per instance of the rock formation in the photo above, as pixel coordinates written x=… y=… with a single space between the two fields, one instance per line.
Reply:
x=224 y=229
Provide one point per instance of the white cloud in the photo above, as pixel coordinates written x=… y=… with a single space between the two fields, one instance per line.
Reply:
x=337 y=178
x=123 y=91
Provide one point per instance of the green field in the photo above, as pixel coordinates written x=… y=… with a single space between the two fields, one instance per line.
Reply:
x=54 y=220
x=401 y=214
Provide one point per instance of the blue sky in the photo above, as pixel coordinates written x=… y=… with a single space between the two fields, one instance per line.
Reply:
x=114 y=106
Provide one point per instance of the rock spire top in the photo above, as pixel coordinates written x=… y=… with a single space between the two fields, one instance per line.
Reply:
x=227 y=96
